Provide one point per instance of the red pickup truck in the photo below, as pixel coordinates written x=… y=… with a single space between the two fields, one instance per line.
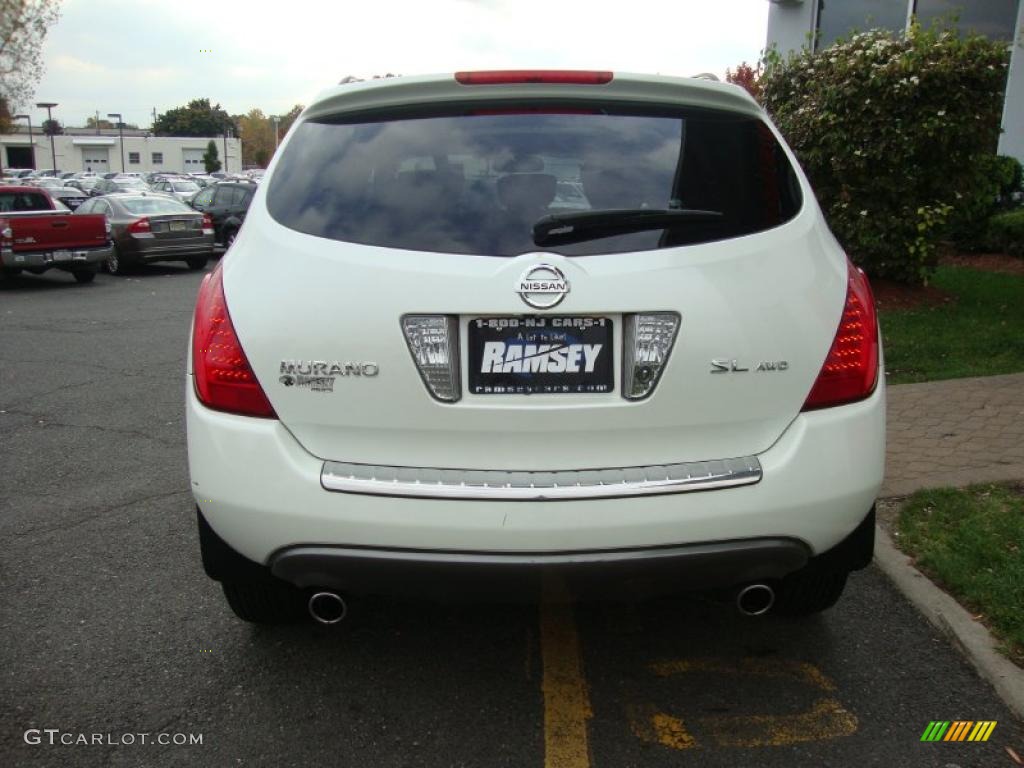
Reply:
x=37 y=234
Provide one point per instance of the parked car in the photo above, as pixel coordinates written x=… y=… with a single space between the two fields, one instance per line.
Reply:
x=38 y=234
x=413 y=374
x=84 y=183
x=42 y=172
x=16 y=173
x=182 y=189
x=109 y=186
x=47 y=182
x=69 y=196
x=227 y=204
x=148 y=228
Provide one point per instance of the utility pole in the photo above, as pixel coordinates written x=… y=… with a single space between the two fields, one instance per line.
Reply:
x=48 y=105
x=120 y=133
x=227 y=130
x=97 y=122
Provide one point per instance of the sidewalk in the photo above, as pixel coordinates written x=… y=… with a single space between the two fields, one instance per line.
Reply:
x=953 y=433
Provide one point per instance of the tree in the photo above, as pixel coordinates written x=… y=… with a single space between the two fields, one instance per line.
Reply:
x=23 y=26
x=6 y=121
x=210 y=160
x=198 y=118
x=256 y=131
x=52 y=128
x=747 y=77
x=288 y=118
x=92 y=122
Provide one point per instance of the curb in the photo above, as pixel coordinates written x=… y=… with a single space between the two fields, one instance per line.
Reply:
x=970 y=636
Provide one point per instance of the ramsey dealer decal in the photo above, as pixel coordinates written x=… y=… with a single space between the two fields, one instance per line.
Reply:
x=540 y=355
x=502 y=357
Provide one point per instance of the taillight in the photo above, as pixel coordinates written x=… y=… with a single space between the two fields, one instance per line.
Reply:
x=513 y=76
x=207 y=224
x=850 y=372
x=140 y=226
x=224 y=379
x=434 y=343
x=6 y=233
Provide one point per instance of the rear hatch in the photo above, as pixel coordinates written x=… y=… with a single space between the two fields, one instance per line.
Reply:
x=404 y=300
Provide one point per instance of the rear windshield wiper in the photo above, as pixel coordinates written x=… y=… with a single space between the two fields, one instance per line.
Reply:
x=577 y=226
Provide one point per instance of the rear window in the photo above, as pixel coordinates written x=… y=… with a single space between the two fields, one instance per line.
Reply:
x=155 y=205
x=476 y=183
x=23 y=201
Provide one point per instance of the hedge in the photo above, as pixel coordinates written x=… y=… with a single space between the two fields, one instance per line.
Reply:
x=1006 y=233
x=895 y=133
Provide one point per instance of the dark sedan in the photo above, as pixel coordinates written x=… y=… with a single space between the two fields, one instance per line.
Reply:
x=152 y=228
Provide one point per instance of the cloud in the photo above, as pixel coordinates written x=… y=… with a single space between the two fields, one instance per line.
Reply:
x=134 y=55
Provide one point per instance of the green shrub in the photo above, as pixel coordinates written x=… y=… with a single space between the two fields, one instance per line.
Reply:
x=1006 y=232
x=1010 y=177
x=894 y=133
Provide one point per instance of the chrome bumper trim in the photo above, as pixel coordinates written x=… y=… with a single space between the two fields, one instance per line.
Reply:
x=501 y=485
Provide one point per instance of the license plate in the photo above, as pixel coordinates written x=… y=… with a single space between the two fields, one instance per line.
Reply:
x=62 y=255
x=540 y=355
x=178 y=226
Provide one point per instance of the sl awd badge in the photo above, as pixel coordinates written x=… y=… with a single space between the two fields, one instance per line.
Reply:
x=733 y=366
x=320 y=375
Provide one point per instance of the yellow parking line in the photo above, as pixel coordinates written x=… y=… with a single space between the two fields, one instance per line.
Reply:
x=566 y=703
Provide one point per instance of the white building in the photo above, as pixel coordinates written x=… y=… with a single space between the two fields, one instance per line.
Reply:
x=80 y=149
x=796 y=24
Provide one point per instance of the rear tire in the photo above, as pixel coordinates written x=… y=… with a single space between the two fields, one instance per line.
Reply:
x=115 y=263
x=84 y=275
x=807 y=592
x=196 y=262
x=266 y=603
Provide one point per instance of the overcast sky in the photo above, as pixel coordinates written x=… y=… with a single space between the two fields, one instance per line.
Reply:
x=132 y=56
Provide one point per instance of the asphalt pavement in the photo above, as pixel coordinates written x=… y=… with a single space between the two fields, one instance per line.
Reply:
x=111 y=631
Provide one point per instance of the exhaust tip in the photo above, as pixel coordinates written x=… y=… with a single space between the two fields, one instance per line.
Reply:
x=328 y=607
x=755 y=599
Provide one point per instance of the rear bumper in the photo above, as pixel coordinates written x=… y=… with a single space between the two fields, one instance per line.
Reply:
x=156 y=250
x=72 y=258
x=620 y=573
x=261 y=493
x=614 y=573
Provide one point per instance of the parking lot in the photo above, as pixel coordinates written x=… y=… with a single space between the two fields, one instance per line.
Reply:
x=110 y=626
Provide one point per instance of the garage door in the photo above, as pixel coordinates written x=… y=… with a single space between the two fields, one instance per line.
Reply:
x=96 y=160
x=193 y=159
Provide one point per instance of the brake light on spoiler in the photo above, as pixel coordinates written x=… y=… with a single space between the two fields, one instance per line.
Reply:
x=518 y=76
x=850 y=371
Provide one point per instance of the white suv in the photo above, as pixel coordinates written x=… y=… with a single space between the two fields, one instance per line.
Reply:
x=415 y=371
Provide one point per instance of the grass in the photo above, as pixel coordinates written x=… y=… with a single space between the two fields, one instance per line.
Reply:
x=970 y=541
x=981 y=333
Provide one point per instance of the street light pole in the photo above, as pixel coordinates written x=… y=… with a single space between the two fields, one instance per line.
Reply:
x=277 y=132
x=48 y=105
x=120 y=134
x=226 y=131
x=31 y=140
